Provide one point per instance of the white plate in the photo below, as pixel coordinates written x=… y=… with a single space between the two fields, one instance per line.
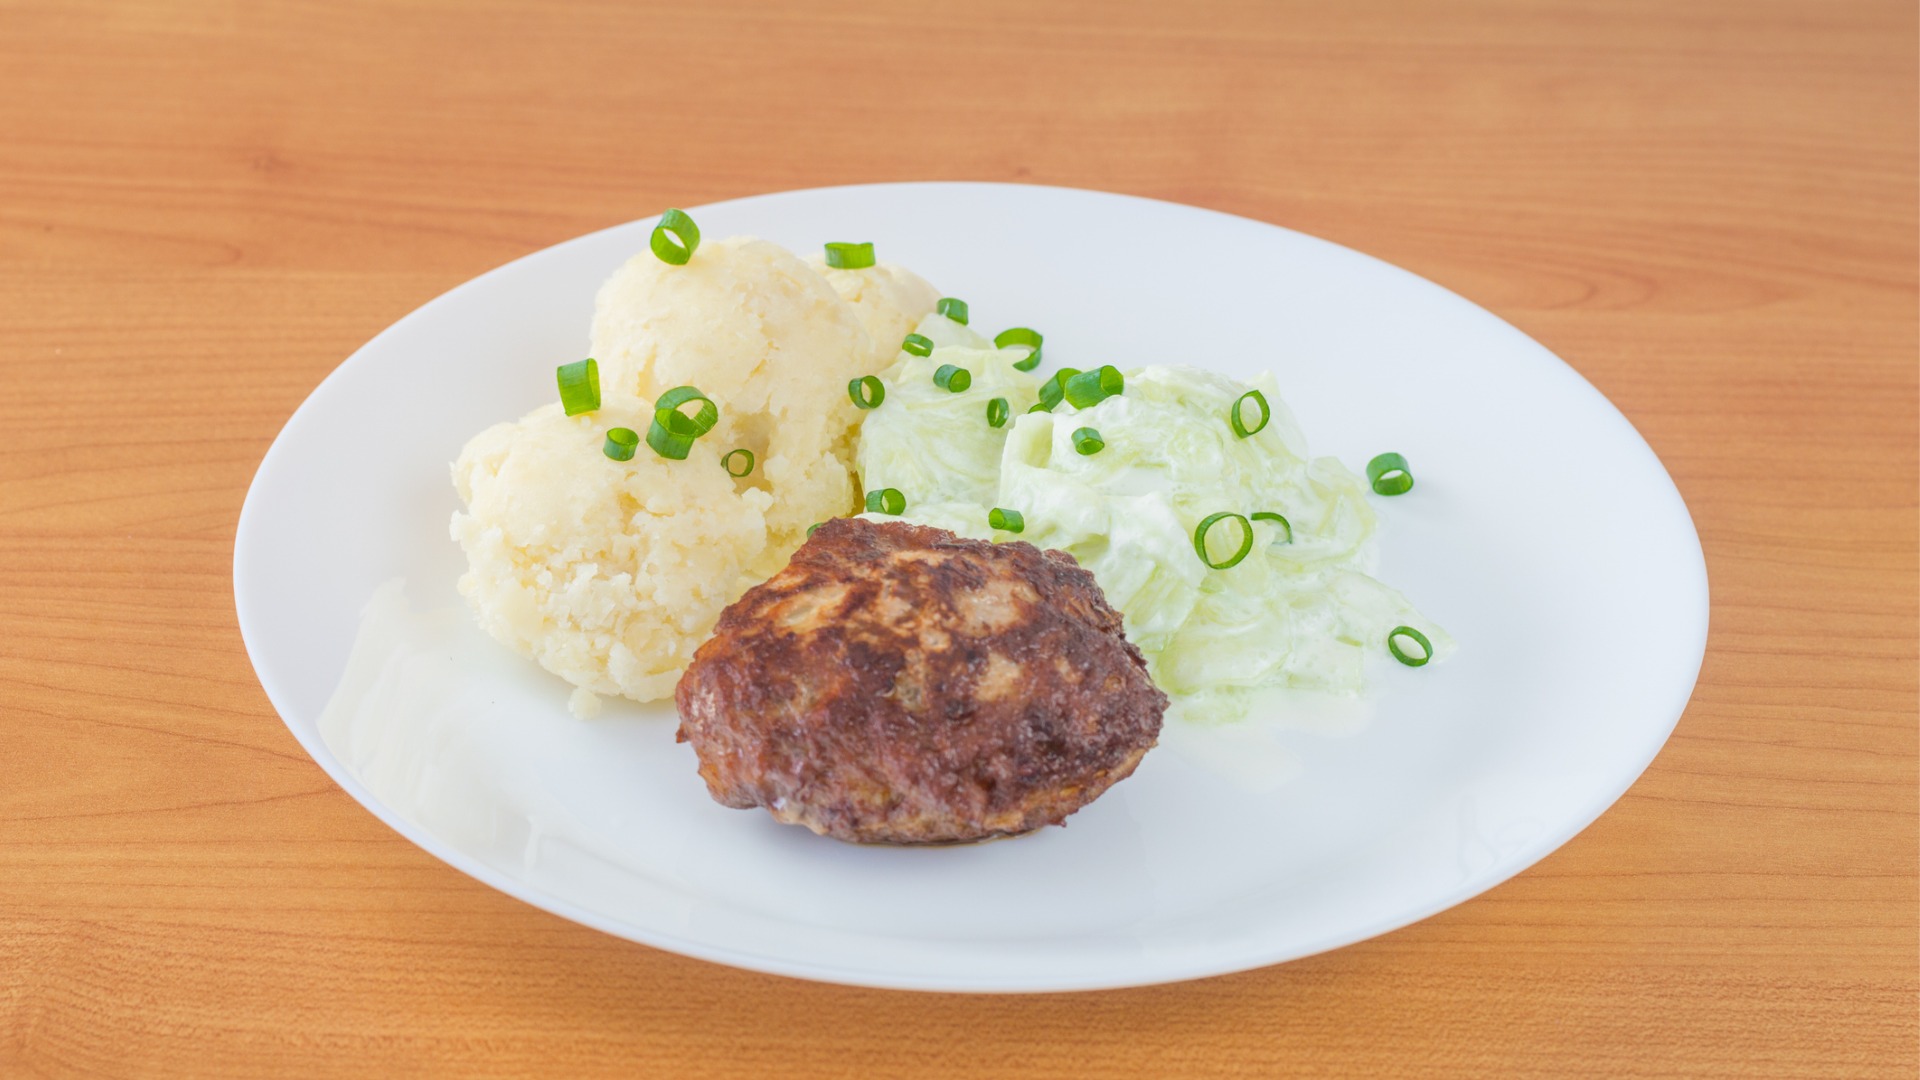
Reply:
x=1543 y=533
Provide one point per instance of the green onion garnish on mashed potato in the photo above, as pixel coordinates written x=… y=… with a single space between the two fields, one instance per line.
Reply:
x=867 y=392
x=675 y=239
x=846 y=256
x=1236 y=560
x=579 y=386
x=674 y=430
x=620 y=443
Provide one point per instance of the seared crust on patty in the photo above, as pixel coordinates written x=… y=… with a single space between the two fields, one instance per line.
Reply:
x=897 y=684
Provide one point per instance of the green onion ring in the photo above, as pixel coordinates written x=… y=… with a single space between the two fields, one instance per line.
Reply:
x=1208 y=522
x=1393 y=646
x=845 y=256
x=672 y=432
x=952 y=378
x=727 y=459
x=886 y=501
x=867 y=392
x=997 y=411
x=1286 y=527
x=1038 y=407
x=665 y=442
x=1087 y=442
x=703 y=419
x=814 y=528
x=1092 y=387
x=918 y=345
x=953 y=308
x=1006 y=520
x=579 y=386
x=1233 y=415
x=1389 y=475
x=1017 y=336
x=675 y=239
x=620 y=443
x=1054 y=390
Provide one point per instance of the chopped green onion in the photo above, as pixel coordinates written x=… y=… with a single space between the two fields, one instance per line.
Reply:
x=1054 y=390
x=703 y=419
x=1006 y=520
x=918 y=345
x=1286 y=527
x=867 y=392
x=672 y=432
x=1020 y=335
x=1208 y=522
x=1418 y=638
x=1092 y=387
x=579 y=386
x=620 y=443
x=952 y=378
x=1389 y=475
x=997 y=412
x=740 y=454
x=665 y=441
x=814 y=528
x=1037 y=407
x=886 y=501
x=844 y=256
x=1088 y=442
x=675 y=239
x=1240 y=427
x=953 y=309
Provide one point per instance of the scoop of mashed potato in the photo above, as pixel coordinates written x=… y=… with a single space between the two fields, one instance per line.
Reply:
x=608 y=573
x=765 y=337
x=888 y=300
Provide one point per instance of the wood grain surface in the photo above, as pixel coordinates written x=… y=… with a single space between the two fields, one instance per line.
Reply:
x=1708 y=208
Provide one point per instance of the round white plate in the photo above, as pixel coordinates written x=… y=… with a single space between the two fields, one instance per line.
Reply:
x=1542 y=532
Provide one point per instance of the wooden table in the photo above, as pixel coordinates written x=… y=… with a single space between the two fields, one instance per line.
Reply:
x=1708 y=208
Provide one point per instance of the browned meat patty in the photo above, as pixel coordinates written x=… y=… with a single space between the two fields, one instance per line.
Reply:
x=897 y=684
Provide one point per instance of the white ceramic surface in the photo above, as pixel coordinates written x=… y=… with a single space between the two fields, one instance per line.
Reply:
x=1542 y=532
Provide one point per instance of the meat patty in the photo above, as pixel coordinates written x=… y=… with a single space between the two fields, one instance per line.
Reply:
x=897 y=684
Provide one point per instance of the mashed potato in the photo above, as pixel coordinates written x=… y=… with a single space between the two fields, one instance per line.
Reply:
x=608 y=573
x=762 y=334
x=888 y=300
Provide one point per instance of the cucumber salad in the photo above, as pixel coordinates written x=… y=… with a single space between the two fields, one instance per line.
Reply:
x=1239 y=562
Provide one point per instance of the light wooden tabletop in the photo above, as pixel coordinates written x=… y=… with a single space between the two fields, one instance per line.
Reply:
x=1708 y=208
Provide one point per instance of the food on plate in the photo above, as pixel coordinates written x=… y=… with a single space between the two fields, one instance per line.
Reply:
x=897 y=684
x=750 y=394
x=609 y=574
x=888 y=300
x=1239 y=561
x=935 y=441
x=767 y=339
x=684 y=463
